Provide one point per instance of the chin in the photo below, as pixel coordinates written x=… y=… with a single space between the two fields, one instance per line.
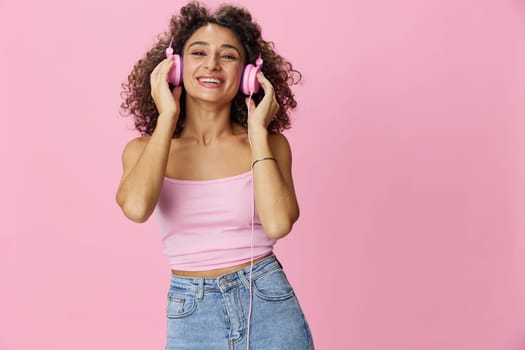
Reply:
x=219 y=98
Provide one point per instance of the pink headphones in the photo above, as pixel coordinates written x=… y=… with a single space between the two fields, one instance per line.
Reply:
x=249 y=83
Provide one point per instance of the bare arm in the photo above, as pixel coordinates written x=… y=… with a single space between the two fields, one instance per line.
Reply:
x=145 y=158
x=273 y=185
x=144 y=165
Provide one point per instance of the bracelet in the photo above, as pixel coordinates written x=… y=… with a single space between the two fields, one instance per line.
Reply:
x=261 y=159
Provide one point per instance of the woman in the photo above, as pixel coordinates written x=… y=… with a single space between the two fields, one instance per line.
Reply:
x=214 y=166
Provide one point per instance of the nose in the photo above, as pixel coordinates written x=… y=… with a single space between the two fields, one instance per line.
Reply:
x=212 y=62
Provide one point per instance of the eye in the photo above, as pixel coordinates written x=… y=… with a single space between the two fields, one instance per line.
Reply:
x=198 y=53
x=229 y=57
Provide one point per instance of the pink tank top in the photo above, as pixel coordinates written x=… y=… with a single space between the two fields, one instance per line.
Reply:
x=206 y=224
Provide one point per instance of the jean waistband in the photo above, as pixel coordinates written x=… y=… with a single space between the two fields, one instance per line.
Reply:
x=228 y=280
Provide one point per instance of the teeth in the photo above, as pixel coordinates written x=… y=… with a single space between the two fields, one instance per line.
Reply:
x=210 y=80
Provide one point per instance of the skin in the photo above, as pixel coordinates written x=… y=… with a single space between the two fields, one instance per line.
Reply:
x=210 y=146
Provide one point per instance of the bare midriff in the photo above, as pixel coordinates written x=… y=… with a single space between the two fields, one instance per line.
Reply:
x=216 y=272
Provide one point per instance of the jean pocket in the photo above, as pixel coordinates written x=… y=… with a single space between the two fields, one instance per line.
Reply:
x=273 y=285
x=181 y=303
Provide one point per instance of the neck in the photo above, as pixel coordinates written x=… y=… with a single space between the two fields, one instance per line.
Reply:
x=206 y=122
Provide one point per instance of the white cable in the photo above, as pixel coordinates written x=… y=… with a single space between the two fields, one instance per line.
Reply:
x=251 y=266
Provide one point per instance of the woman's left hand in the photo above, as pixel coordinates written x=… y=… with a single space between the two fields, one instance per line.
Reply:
x=260 y=116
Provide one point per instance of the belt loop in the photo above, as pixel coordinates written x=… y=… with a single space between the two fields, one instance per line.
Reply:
x=243 y=279
x=200 y=292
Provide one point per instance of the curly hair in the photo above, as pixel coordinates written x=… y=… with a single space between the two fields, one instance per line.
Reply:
x=136 y=93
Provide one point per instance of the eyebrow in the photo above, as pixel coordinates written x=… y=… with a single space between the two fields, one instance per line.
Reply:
x=225 y=46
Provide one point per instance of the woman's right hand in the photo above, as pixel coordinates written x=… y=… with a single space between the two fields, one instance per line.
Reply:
x=166 y=101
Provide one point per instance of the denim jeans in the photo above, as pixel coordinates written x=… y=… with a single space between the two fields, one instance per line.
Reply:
x=212 y=313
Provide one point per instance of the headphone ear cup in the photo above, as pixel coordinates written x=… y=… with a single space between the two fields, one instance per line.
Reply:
x=254 y=83
x=175 y=73
x=249 y=83
x=245 y=80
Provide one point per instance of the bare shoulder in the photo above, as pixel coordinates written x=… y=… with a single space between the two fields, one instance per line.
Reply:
x=279 y=144
x=134 y=148
x=137 y=143
x=281 y=149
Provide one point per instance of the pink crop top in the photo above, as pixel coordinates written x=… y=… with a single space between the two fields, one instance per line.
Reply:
x=206 y=224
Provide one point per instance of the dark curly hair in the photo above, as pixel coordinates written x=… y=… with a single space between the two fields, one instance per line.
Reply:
x=137 y=91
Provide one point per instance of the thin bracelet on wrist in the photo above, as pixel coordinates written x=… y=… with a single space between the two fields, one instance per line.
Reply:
x=261 y=159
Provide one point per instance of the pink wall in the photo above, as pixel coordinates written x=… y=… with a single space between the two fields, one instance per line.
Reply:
x=409 y=165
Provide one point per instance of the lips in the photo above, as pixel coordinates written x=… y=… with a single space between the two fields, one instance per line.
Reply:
x=210 y=81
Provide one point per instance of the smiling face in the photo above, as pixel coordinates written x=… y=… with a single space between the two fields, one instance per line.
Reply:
x=213 y=64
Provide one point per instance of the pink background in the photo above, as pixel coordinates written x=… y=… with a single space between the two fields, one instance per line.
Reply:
x=408 y=160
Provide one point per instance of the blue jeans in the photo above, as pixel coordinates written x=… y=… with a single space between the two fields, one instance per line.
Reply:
x=212 y=313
